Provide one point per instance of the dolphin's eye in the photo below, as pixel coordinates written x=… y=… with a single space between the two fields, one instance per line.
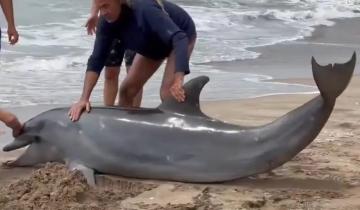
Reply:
x=37 y=139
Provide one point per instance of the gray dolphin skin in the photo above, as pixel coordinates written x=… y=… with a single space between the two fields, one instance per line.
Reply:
x=177 y=141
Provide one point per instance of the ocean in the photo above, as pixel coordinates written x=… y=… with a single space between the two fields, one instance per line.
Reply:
x=47 y=66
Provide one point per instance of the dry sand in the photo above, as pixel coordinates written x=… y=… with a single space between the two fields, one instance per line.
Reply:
x=323 y=176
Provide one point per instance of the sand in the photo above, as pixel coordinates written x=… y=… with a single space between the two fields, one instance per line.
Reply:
x=323 y=176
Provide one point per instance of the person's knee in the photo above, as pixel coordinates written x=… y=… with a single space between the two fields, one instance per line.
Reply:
x=112 y=73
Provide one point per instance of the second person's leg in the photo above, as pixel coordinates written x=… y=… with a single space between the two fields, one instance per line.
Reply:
x=129 y=59
x=111 y=85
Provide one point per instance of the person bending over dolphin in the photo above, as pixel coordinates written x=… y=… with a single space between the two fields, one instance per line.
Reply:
x=154 y=30
x=112 y=65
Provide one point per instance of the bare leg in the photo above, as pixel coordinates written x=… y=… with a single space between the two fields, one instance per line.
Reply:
x=169 y=73
x=140 y=72
x=138 y=97
x=111 y=85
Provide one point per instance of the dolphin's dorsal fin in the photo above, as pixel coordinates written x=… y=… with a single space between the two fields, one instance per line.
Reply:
x=191 y=105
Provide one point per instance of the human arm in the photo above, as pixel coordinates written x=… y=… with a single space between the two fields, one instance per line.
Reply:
x=93 y=19
x=95 y=65
x=169 y=33
x=7 y=7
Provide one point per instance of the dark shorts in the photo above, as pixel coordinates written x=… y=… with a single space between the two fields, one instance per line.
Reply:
x=114 y=58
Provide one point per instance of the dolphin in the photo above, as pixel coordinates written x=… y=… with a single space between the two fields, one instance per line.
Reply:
x=177 y=141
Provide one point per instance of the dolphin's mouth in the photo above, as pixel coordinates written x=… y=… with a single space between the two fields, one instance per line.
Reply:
x=16 y=144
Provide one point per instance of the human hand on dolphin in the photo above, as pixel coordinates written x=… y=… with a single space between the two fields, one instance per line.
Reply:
x=16 y=126
x=77 y=109
x=12 y=122
x=177 y=90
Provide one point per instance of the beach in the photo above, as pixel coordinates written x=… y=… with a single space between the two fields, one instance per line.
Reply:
x=323 y=176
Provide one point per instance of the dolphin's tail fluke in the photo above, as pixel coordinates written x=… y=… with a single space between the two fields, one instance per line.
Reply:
x=333 y=79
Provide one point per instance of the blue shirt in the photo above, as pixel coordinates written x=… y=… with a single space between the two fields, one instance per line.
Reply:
x=147 y=29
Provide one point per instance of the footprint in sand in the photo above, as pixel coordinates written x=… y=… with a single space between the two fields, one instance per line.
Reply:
x=347 y=125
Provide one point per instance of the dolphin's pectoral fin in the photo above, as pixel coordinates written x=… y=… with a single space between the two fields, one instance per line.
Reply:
x=191 y=105
x=8 y=164
x=87 y=172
